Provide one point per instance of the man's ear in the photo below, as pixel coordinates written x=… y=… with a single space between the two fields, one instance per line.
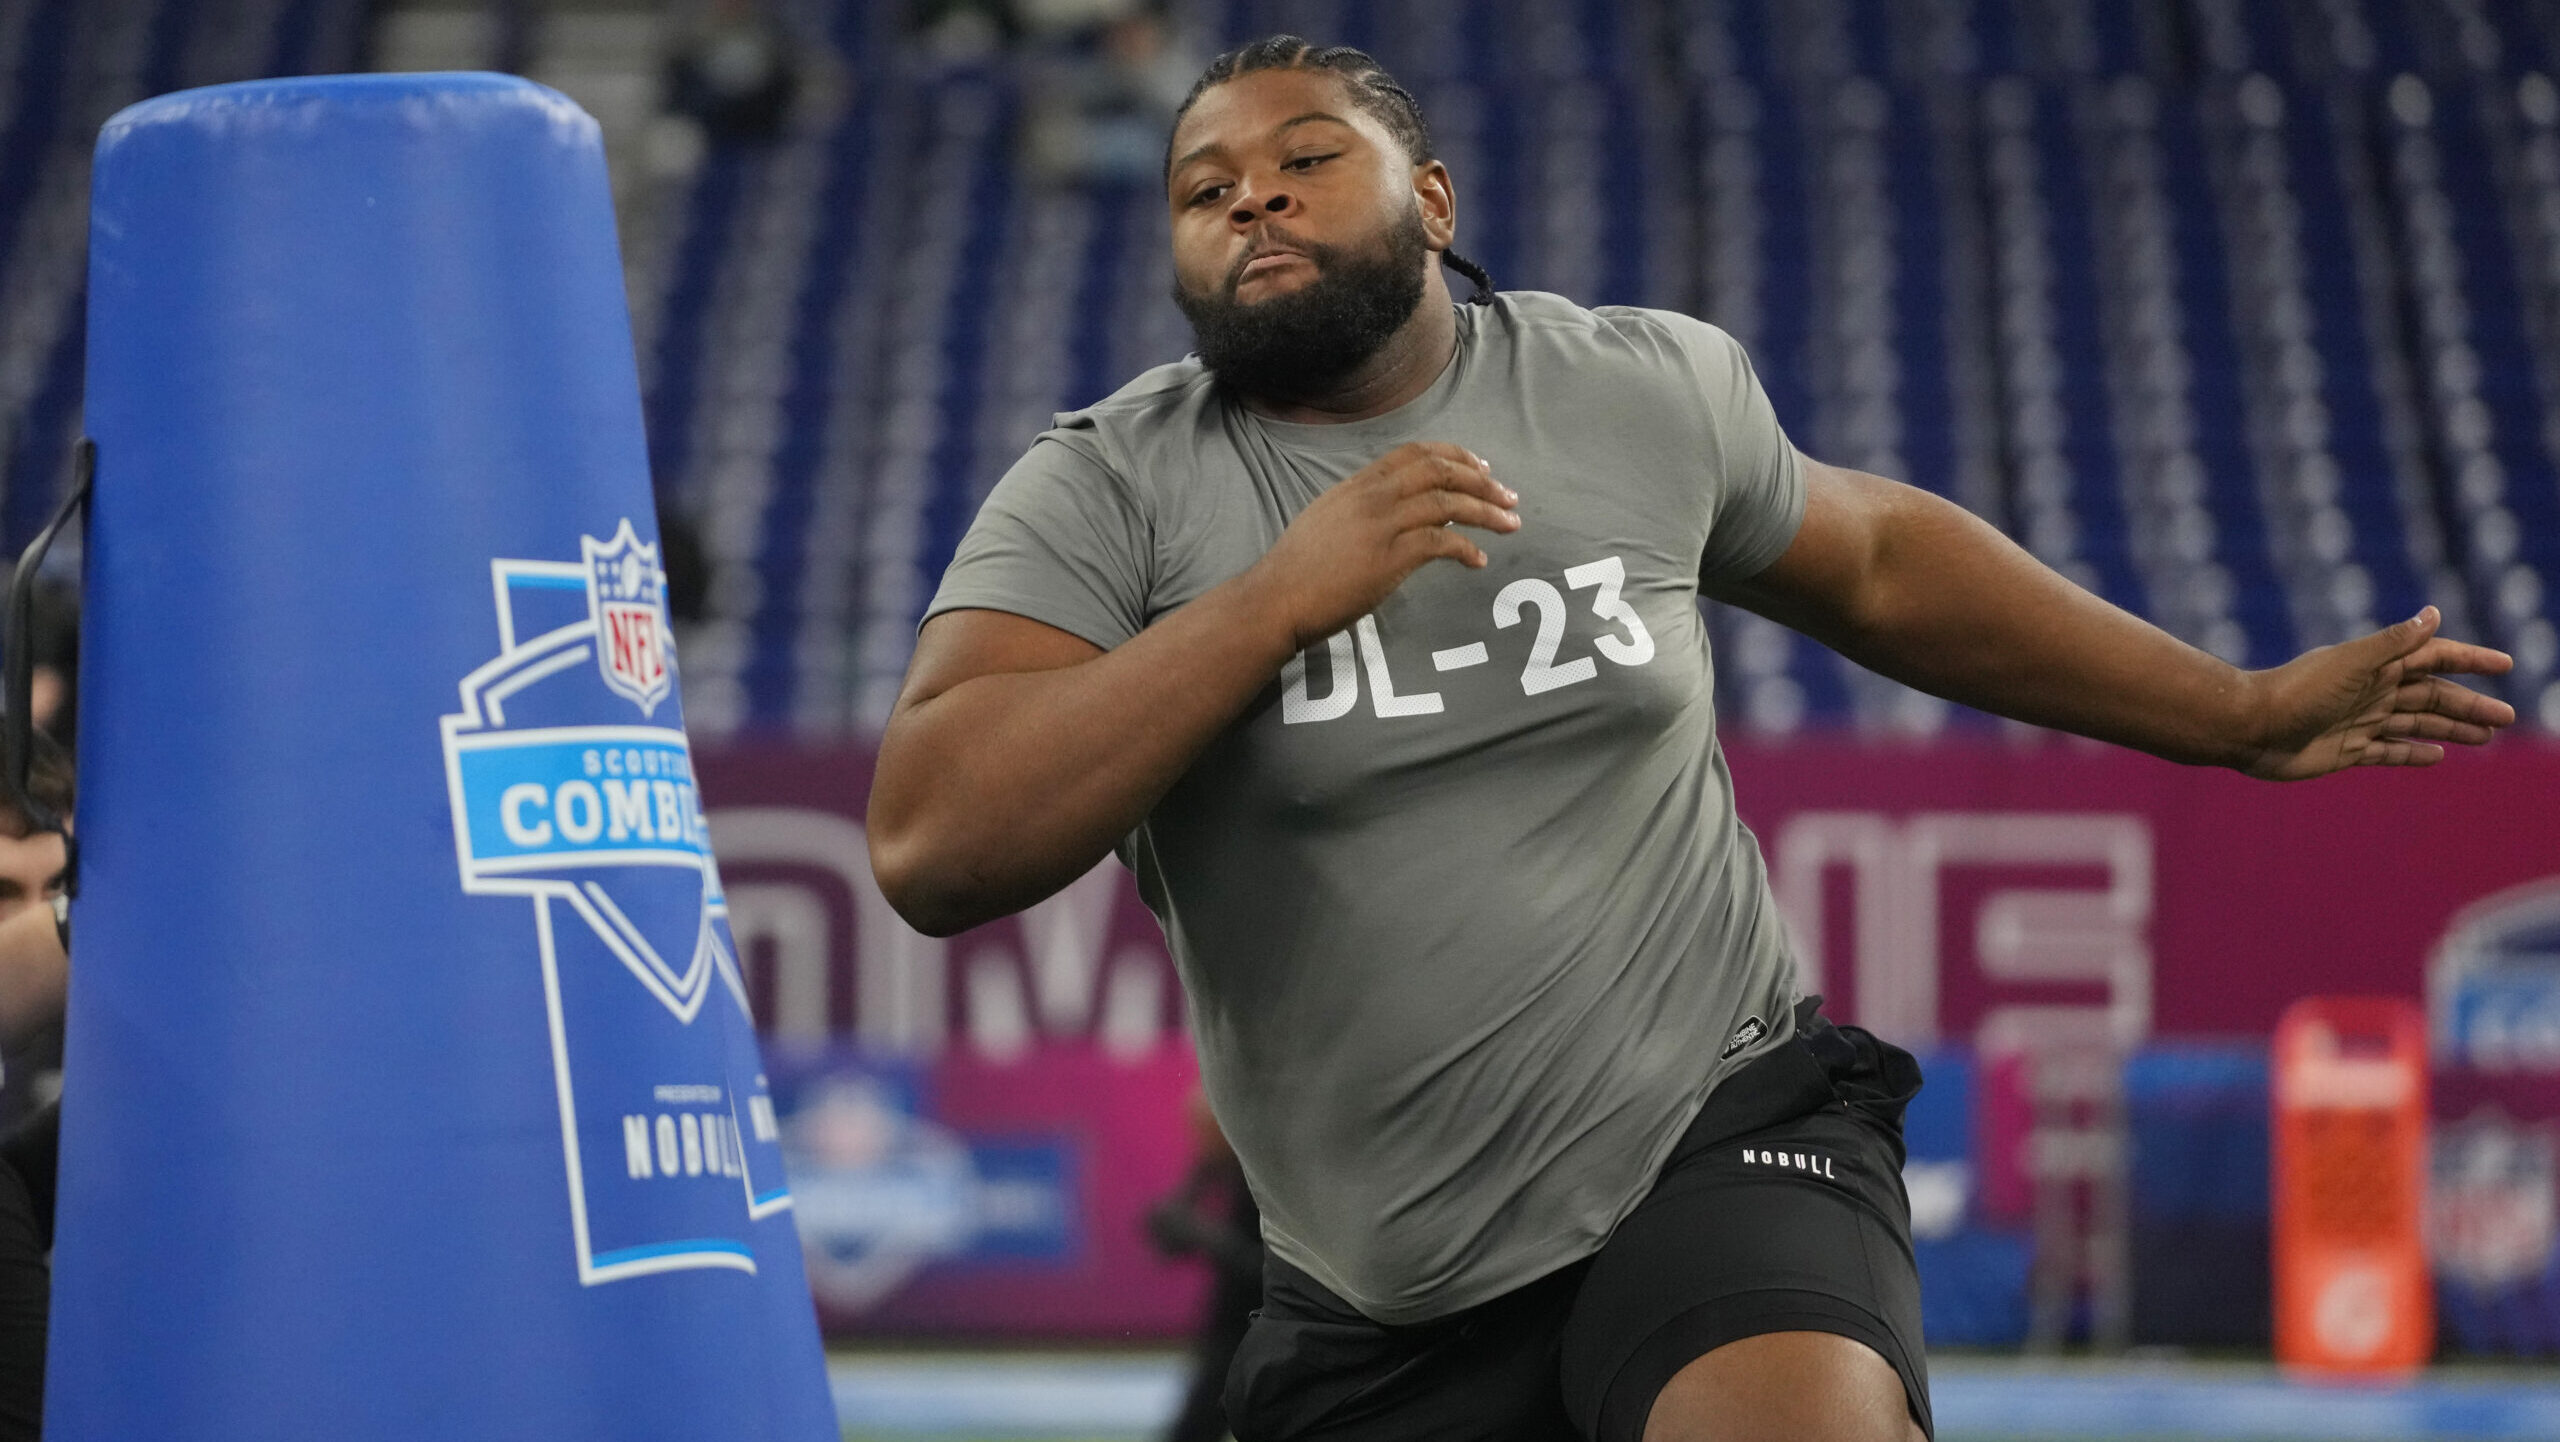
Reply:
x=1438 y=201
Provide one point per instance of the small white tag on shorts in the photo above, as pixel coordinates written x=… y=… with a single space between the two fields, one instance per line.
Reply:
x=1751 y=1030
x=1813 y=1164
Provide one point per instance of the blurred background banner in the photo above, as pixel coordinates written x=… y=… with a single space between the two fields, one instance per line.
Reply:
x=1971 y=891
x=1938 y=892
x=977 y=1126
x=968 y=1196
x=2090 y=949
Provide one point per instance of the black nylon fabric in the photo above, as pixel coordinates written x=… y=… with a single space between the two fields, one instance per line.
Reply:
x=1728 y=1244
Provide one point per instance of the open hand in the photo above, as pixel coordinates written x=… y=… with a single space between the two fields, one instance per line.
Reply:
x=2379 y=700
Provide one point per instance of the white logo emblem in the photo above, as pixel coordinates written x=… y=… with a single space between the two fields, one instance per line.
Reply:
x=2493 y=1215
x=601 y=827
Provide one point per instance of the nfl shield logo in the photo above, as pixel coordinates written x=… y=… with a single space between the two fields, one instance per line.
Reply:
x=626 y=595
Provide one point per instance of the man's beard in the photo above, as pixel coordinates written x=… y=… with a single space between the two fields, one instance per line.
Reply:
x=1304 y=342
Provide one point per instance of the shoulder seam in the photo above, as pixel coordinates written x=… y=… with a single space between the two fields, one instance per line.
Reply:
x=1168 y=390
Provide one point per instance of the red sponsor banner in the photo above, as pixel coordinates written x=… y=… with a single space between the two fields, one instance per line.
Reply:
x=1965 y=891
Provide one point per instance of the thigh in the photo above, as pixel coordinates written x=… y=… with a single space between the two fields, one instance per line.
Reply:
x=1796 y=1226
x=1784 y=1387
x=1312 y=1369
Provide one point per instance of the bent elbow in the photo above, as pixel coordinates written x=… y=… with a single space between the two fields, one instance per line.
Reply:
x=935 y=919
x=939 y=923
x=907 y=880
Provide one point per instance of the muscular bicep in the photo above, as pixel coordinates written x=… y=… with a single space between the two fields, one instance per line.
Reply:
x=1822 y=581
x=960 y=646
x=1879 y=568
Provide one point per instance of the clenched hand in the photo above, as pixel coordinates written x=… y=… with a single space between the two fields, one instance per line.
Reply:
x=1357 y=542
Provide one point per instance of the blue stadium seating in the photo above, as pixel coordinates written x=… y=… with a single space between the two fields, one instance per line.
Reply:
x=2245 y=312
x=65 y=66
x=2215 y=413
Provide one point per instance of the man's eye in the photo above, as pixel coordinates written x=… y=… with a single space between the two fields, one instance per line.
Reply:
x=1307 y=162
x=1206 y=194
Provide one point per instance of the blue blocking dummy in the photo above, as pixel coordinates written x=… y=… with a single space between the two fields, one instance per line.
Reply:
x=411 y=1088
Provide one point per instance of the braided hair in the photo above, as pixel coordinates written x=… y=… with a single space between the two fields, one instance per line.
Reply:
x=1372 y=89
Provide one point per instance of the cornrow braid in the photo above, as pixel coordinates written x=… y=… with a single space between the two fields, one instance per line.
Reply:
x=1372 y=89
x=1472 y=271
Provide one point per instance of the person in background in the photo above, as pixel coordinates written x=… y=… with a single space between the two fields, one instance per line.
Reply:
x=55 y=638
x=688 y=567
x=31 y=1057
x=1103 y=96
x=34 y=976
x=961 y=32
x=733 y=73
x=1212 y=1216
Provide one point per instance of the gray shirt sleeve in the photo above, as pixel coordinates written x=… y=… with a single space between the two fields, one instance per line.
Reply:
x=1060 y=540
x=1757 y=485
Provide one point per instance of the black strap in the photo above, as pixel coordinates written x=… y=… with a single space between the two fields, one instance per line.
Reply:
x=17 y=721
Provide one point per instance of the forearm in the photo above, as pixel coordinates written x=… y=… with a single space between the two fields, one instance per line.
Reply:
x=1949 y=605
x=993 y=794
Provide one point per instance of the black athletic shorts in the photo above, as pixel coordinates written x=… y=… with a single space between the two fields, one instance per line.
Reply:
x=1781 y=1210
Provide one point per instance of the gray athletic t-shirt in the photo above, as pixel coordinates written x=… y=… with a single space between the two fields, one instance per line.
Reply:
x=1466 y=920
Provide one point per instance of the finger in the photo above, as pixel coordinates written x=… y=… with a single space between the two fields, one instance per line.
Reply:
x=1442 y=450
x=2442 y=657
x=1454 y=508
x=1418 y=548
x=1418 y=462
x=1482 y=486
x=2447 y=698
x=1420 y=467
x=2401 y=753
x=2426 y=726
x=1441 y=473
x=2397 y=641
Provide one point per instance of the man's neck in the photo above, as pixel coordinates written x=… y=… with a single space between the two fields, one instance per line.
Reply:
x=1403 y=368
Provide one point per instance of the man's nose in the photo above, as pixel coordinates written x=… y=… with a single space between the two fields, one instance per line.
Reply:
x=1251 y=206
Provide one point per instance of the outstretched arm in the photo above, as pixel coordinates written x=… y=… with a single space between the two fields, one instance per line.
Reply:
x=1918 y=589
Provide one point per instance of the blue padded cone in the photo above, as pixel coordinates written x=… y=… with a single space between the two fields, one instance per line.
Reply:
x=411 y=1092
